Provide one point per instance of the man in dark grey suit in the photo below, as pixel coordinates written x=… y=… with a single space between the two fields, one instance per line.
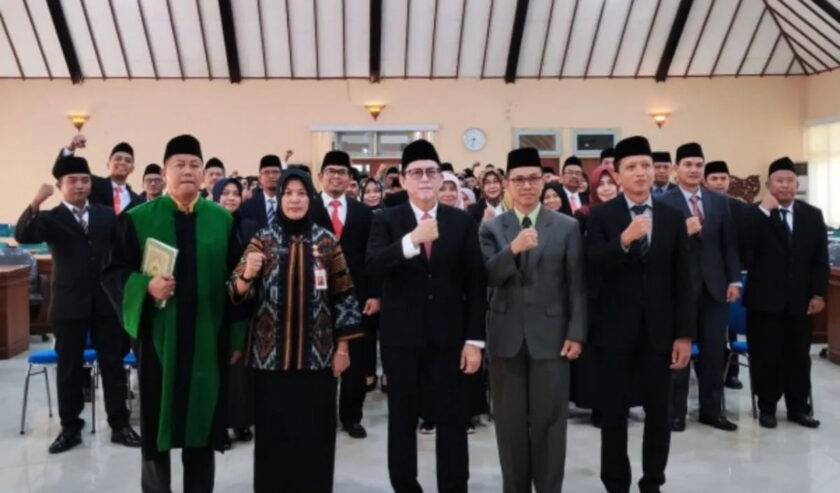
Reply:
x=716 y=280
x=536 y=325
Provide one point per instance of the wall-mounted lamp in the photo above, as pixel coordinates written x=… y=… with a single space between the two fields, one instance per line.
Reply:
x=660 y=118
x=78 y=120
x=374 y=109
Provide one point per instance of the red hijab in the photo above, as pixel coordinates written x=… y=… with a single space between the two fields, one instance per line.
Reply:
x=594 y=181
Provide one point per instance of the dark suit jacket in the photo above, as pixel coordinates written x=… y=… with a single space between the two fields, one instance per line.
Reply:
x=668 y=188
x=783 y=277
x=254 y=209
x=740 y=215
x=354 y=241
x=439 y=302
x=714 y=251
x=640 y=296
x=566 y=208
x=78 y=258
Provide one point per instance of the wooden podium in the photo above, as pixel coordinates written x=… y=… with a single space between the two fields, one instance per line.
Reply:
x=833 y=314
x=14 y=310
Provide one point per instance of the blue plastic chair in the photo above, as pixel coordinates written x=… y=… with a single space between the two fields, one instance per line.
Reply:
x=41 y=361
x=129 y=363
x=737 y=323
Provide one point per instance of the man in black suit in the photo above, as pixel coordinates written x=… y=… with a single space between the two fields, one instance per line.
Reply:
x=80 y=236
x=214 y=170
x=262 y=207
x=112 y=191
x=573 y=198
x=662 y=167
x=716 y=277
x=350 y=221
x=491 y=203
x=643 y=322
x=153 y=183
x=432 y=320
x=717 y=178
x=787 y=282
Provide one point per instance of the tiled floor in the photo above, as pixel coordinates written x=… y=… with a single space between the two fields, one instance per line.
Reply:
x=789 y=459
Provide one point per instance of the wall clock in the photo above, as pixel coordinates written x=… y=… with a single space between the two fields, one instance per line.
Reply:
x=474 y=139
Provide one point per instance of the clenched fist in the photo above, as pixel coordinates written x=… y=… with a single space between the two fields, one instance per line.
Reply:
x=43 y=194
x=693 y=225
x=162 y=287
x=640 y=226
x=79 y=142
x=769 y=202
x=426 y=231
x=527 y=239
x=253 y=265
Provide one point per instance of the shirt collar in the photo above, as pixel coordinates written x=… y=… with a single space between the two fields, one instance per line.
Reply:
x=73 y=207
x=186 y=208
x=122 y=187
x=532 y=216
x=328 y=199
x=630 y=204
x=570 y=193
x=788 y=208
x=418 y=213
x=688 y=194
x=266 y=198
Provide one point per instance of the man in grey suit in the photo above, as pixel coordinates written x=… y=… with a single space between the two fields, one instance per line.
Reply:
x=716 y=280
x=535 y=326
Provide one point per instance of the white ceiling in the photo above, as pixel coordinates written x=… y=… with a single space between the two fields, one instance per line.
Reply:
x=323 y=39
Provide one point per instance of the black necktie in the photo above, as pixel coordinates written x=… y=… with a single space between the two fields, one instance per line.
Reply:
x=784 y=213
x=642 y=242
x=526 y=222
x=521 y=259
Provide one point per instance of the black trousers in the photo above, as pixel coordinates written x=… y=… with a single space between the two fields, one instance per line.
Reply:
x=780 y=359
x=240 y=396
x=199 y=472
x=370 y=324
x=409 y=370
x=294 y=431
x=109 y=342
x=711 y=341
x=619 y=368
x=352 y=395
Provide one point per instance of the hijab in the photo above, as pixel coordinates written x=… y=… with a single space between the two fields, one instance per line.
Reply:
x=295 y=226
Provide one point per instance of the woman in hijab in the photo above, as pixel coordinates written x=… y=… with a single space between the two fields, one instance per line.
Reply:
x=449 y=191
x=604 y=187
x=298 y=341
x=373 y=194
x=467 y=197
x=552 y=196
x=228 y=192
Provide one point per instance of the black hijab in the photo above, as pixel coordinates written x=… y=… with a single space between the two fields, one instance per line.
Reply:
x=296 y=226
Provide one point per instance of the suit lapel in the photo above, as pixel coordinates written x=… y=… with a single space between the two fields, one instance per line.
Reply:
x=544 y=221
x=779 y=227
x=70 y=219
x=798 y=226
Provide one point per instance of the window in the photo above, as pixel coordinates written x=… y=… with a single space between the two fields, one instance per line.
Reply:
x=363 y=144
x=548 y=141
x=822 y=150
x=589 y=142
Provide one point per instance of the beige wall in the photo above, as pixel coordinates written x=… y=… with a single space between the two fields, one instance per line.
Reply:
x=747 y=121
x=823 y=97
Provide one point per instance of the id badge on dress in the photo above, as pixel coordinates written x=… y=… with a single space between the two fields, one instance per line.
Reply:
x=320 y=278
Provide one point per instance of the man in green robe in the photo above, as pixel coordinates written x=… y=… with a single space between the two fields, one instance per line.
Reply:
x=182 y=347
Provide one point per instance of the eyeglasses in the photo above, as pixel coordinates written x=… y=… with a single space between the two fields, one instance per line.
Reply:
x=417 y=173
x=341 y=172
x=532 y=180
x=570 y=172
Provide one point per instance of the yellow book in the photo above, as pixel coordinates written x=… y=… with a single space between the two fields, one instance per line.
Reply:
x=158 y=260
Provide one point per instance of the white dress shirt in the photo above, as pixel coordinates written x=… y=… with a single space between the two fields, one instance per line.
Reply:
x=342 y=207
x=86 y=208
x=574 y=195
x=788 y=217
x=648 y=212
x=410 y=250
x=268 y=201
x=125 y=197
x=688 y=196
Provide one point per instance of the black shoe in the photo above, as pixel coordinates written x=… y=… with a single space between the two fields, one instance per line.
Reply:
x=86 y=394
x=733 y=383
x=767 y=420
x=65 y=441
x=803 y=419
x=595 y=418
x=125 y=435
x=470 y=429
x=678 y=424
x=719 y=422
x=427 y=429
x=356 y=430
x=227 y=444
x=244 y=434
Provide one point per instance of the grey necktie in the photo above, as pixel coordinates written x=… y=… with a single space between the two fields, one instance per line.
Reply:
x=642 y=242
x=80 y=216
x=272 y=210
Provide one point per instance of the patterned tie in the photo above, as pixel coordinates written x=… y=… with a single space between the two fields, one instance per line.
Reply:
x=80 y=216
x=784 y=213
x=117 y=200
x=338 y=226
x=642 y=242
x=427 y=246
x=271 y=214
x=696 y=210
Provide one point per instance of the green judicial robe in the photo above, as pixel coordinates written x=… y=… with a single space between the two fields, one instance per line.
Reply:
x=182 y=348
